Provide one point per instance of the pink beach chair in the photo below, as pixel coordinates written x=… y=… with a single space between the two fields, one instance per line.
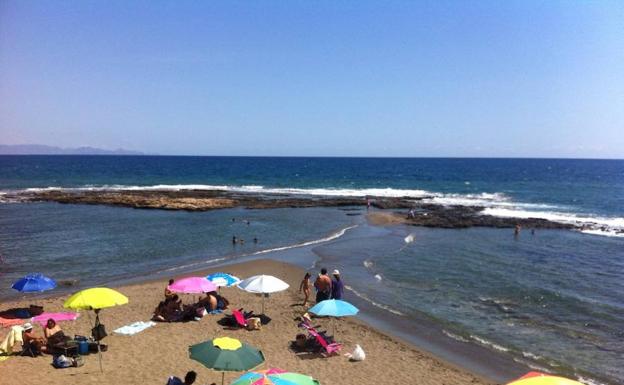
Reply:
x=330 y=349
x=240 y=318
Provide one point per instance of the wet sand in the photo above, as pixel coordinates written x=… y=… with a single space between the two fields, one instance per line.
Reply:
x=152 y=355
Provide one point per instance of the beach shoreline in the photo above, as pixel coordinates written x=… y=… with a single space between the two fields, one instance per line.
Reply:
x=382 y=349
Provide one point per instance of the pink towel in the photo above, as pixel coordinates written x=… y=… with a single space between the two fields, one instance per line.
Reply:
x=65 y=316
x=8 y=322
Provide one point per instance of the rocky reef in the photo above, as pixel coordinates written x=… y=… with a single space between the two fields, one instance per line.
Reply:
x=423 y=213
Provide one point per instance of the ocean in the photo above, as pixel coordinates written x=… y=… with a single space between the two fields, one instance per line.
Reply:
x=552 y=300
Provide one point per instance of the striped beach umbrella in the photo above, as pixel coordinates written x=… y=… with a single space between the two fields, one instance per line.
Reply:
x=274 y=376
x=223 y=279
x=537 y=378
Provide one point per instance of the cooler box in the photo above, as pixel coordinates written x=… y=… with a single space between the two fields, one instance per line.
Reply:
x=83 y=347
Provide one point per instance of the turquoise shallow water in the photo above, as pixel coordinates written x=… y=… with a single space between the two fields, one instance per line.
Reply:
x=554 y=300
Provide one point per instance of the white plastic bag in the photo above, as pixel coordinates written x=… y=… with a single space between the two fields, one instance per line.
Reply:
x=358 y=354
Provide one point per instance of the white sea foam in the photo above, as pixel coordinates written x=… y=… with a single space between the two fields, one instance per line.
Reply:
x=378 y=277
x=531 y=355
x=381 y=192
x=454 y=336
x=376 y=304
x=331 y=237
x=593 y=225
x=368 y=264
x=588 y=381
x=485 y=342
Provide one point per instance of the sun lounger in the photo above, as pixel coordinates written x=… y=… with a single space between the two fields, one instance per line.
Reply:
x=330 y=349
x=240 y=318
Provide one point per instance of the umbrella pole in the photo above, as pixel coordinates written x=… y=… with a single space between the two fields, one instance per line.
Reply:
x=222 y=378
x=262 y=302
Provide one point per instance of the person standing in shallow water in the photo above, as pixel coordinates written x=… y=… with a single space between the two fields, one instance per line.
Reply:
x=323 y=285
x=337 y=285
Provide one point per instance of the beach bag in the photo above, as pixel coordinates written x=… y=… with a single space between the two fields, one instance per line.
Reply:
x=61 y=362
x=254 y=323
x=358 y=354
x=99 y=332
x=79 y=361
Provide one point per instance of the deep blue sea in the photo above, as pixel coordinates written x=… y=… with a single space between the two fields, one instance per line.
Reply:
x=553 y=300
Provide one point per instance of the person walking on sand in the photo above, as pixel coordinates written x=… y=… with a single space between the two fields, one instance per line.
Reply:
x=323 y=285
x=305 y=288
x=337 y=285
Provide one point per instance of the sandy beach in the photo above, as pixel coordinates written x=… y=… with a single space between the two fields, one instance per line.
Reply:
x=151 y=356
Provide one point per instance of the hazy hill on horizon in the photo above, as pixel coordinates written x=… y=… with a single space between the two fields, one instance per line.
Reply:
x=40 y=149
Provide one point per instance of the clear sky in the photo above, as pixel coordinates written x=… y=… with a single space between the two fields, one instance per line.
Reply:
x=328 y=78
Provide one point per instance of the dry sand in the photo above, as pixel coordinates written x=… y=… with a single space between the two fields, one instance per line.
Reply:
x=152 y=355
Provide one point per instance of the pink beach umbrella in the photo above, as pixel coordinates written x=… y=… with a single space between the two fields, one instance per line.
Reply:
x=192 y=285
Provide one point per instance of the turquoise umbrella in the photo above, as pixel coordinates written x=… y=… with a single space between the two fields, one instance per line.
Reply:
x=334 y=308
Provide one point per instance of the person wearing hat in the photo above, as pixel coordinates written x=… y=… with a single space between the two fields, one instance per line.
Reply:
x=31 y=344
x=337 y=285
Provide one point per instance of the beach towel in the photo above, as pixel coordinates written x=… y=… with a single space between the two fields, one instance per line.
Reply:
x=14 y=336
x=134 y=328
x=8 y=322
x=63 y=316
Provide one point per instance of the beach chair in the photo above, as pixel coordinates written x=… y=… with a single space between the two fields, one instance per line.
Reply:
x=240 y=318
x=330 y=349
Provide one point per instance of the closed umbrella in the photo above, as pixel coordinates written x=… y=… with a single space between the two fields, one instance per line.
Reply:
x=226 y=354
x=96 y=298
x=34 y=283
x=263 y=284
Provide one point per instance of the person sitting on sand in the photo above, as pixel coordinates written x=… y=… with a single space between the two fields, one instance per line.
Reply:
x=305 y=288
x=189 y=379
x=31 y=344
x=323 y=285
x=169 y=293
x=337 y=285
x=54 y=334
x=214 y=301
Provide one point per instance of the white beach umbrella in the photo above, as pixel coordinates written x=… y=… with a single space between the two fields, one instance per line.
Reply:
x=263 y=284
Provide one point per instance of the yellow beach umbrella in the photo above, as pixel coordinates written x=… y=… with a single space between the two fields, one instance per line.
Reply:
x=95 y=298
x=536 y=378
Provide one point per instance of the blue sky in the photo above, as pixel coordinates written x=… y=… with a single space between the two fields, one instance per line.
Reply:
x=348 y=78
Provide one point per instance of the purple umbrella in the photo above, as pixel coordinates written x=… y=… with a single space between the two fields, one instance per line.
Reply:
x=192 y=285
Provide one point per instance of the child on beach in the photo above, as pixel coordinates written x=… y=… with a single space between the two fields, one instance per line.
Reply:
x=305 y=288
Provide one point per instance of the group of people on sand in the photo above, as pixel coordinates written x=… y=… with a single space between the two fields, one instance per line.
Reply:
x=34 y=345
x=326 y=286
x=171 y=308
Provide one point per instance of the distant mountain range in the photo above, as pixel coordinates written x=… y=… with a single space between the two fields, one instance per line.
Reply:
x=39 y=149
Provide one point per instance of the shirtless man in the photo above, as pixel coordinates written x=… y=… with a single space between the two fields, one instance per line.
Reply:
x=323 y=285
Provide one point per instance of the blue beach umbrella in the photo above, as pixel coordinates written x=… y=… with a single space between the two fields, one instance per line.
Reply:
x=33 y=283
x=223 y=279
x=334 y=308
